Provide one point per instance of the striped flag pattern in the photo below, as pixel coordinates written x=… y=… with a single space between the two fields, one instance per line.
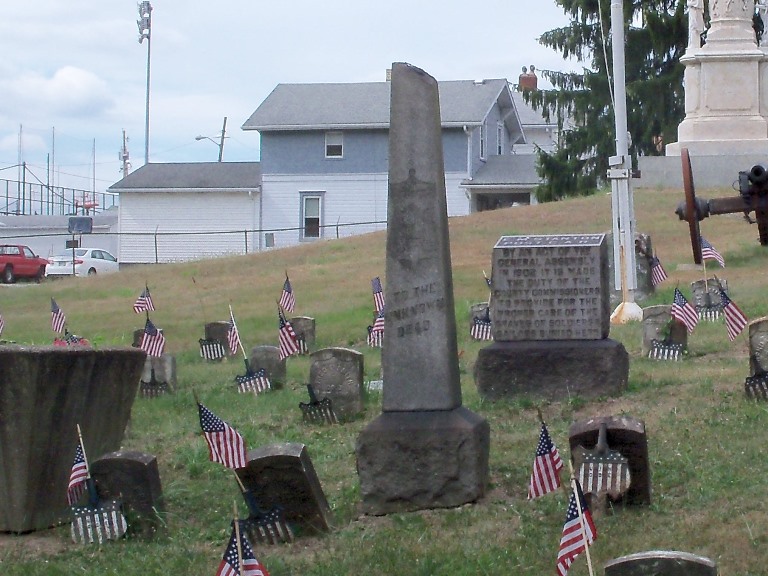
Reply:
x=153 y=341
x=546 y=467
x=77 y=477
x=481 y=329
x=376 y=332
x=288 y=343
x=735 y=320
x=287 y=299
x=378 y=294
x=144 y=302
x=225 y=444
x=708 y=252
x=2 y=324
x=658 y=274
x=233 y=335
x=58 y=320
x=230 y=562
x=683 y=311
x=573 y=541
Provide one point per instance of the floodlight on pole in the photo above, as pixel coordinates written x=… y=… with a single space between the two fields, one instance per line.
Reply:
x=145 y=32
x=220 y=143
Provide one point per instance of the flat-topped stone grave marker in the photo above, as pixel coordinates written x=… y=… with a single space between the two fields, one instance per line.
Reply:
x=661 y=563
x=283 y=475
x=425 y=450
x=268 y=357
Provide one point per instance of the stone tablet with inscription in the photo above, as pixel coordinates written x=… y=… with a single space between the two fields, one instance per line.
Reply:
x=552 y=287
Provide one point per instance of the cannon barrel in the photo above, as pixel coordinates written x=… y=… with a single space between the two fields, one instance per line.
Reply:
x=758 y=175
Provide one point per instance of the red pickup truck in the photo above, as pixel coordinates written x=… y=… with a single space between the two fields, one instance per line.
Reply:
x=18 y=261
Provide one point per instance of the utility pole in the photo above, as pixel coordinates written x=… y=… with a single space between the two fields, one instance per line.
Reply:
x=221 y=142
x=125 y=157
x=145 y=31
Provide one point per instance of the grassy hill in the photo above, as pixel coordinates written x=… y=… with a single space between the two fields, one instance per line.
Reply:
x=707 y=466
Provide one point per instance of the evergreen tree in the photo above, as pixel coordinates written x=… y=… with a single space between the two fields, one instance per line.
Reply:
x=581 y=104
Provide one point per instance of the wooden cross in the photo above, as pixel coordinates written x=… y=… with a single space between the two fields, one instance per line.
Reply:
x=753 y=196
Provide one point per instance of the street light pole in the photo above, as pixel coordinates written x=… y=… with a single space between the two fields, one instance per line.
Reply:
x=145 y=31
x=220 y=143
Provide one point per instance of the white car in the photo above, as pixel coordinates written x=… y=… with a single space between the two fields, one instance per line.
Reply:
x=88 y=262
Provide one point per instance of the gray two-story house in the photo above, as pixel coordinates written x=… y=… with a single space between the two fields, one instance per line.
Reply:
x=324 y=155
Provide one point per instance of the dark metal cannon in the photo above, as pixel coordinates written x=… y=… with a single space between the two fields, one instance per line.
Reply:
x=753 y=197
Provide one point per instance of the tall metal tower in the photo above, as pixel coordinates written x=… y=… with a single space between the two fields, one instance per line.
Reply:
x=145 y=32
x=125 y=157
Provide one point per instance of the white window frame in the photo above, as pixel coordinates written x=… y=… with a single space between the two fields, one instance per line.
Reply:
x=500 y=138
x=483 y=142
x=303 y=197
x=334 y=139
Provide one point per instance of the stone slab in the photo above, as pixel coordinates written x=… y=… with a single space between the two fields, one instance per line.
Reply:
x=551 y=287
x=282 y=474
x=421 y=460
x=45 y=392
x=134 y=478
x=626 y=435
x=164 y=367
x=337 y=374
x=218 y=330
x=304 y=327
x=656 y=324
x=555 y=370
x=268 y=357
x=661 y=563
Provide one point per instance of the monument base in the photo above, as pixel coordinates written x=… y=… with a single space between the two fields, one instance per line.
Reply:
x=553 y=369
x=410 y=461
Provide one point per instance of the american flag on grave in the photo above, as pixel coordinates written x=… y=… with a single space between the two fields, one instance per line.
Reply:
x=573 y=540
x=77 y=477
x=58 y=320
x=225 y=444
x=2 y=324
x=735 y=320
x=144 y=302
x=756 y=387
x=152 y=341
x=481 y=328
x=253 y=381
x=376 y=332
x=683 y=311
x=547 y=464
x=239 y=559
x=287 y=299
x=708 y=252
x=233 y=334
x=212 y=349
x=378 y=294
x=288 y=343
x=663 y=350
x=658 y=274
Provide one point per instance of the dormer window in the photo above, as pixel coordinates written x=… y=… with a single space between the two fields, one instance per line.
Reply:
x=334 y=145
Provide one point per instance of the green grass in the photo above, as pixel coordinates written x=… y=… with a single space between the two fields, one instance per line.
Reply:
x=704 y=437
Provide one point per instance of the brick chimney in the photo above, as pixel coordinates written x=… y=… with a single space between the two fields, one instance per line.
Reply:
x=528 y=80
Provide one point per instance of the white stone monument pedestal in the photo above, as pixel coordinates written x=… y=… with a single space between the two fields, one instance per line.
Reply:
x=726 y=81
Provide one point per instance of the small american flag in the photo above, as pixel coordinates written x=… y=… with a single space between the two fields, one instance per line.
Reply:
x=230 y=562
x=2 y=324
x=683 y=311
x=378 y=294
x=735 y=321
x=78 y=477
x=287 y=300
x=574 y=541
x=233 y=335
x=225 y=445
x=153 y=341
x=58 y=320
x=257 y=381
x=708 y=252
x=546 y=466
x=481 y=329
x=376 y=332
x=144 y=302
x=658 y=274
x=288 y=342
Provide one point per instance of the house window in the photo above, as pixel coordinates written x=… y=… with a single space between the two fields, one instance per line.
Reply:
x=269 y=239
x=500 y=139
x=311 y=215
x=482 y=141
x=334 y=145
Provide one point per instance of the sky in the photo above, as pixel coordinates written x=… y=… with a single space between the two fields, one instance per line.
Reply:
x=73 y=75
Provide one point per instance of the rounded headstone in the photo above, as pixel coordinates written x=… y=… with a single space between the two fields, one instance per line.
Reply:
x=337 y=374
x=758 y=346
x=657 y=325
x=304 y=327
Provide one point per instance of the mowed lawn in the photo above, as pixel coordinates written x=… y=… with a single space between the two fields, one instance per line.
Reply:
x=705 y=438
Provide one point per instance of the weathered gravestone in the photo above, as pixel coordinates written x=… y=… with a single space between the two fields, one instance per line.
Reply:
x=215 y=346
x=133 y=478
x=551 y=317
x=158 y=376
x=283 y=475
x=268 y=357
x=304 y=327
x=627 y=436
x=425 y=450
x=756 y=384
x=706 y=297
x=337 y=374
x=643 y=256
x=661 y=563
x=45 y=392
x=663 y=338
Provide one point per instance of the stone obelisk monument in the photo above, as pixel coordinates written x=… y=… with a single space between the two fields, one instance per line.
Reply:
x=726 y=86
x=425 y=450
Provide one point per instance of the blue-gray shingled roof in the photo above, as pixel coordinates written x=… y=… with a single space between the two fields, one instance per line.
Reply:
x=192 y=176
x=366 y=105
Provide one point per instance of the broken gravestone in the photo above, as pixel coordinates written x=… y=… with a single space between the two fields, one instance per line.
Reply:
x=45 y=392
x=425 y=450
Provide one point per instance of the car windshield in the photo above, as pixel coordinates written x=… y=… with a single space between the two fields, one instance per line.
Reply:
x=78 y=252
